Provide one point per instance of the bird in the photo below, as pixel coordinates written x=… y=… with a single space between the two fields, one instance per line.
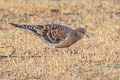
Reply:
x=55 y=35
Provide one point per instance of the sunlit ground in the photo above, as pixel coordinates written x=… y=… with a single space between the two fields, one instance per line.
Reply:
x=23 y=56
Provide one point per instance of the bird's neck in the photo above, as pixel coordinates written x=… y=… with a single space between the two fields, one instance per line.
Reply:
x=77 y=35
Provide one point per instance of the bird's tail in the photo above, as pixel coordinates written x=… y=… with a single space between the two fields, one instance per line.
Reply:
x=30 y=28
x=20 y=25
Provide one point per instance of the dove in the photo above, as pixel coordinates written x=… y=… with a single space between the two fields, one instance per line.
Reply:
x=55 y=35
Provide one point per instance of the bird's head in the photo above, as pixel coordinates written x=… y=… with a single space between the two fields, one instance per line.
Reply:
x=81 y=32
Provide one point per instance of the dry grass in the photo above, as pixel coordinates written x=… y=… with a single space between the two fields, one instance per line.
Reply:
x=96 y=58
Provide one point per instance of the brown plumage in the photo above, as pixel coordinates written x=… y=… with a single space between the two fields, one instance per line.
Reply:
x=58 y=36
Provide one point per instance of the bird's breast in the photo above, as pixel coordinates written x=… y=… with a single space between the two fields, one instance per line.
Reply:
x=71 y=39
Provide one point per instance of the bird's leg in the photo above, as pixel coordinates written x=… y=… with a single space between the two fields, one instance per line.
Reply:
x=54 y=49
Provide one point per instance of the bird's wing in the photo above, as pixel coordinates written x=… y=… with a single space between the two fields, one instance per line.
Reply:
x=54 y=33
x=50 y=33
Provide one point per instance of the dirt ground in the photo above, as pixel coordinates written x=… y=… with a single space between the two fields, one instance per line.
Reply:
x=23 y=56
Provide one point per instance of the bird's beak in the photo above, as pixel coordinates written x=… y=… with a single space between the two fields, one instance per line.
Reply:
x=86 y=35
